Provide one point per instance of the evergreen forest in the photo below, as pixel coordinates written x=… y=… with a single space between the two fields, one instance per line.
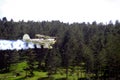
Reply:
x=83 y=51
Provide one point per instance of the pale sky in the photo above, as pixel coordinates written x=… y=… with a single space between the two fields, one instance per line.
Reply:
x=63 y=10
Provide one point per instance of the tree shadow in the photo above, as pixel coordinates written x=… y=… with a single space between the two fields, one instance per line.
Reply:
x=47 y=78
x=61 y=79
x=22 y=78
x=83 y=79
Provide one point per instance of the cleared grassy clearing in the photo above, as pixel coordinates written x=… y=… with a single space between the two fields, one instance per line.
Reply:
x=17 y=73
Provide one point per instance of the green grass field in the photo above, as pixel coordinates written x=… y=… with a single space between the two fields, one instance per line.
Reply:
x=18 y=68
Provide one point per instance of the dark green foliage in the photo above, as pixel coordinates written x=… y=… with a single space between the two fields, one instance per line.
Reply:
x=93 y=47
x=5 y=61
x=30 y=63
x=52 y=61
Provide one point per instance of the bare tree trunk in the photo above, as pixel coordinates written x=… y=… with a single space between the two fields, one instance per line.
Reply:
x=67 y=73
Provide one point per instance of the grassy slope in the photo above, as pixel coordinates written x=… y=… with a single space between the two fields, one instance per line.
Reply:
x=18 y=68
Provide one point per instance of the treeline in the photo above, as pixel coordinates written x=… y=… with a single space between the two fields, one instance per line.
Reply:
x=91 y=48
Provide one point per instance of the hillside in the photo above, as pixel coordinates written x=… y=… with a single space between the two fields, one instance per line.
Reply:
x=81 y=48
